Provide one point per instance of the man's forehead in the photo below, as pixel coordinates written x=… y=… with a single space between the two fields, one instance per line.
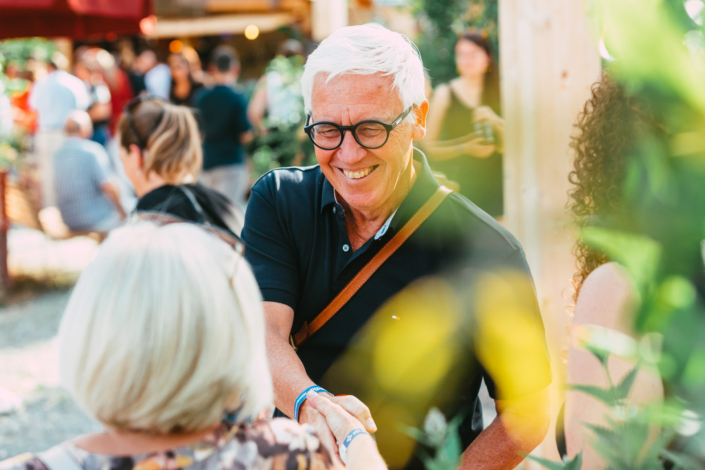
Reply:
x=373 y=91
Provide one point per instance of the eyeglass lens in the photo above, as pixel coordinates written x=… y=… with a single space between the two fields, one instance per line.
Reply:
x=367 y=134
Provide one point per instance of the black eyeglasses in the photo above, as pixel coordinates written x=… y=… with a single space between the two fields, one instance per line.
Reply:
x=141 y=142
x=369 y=134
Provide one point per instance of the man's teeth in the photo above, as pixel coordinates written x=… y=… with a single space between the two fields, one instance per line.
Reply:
x=358 y=174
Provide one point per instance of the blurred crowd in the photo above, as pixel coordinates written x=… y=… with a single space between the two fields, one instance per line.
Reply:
x=69 y=109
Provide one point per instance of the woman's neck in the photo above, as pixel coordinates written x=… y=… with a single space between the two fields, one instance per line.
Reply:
x=114 y=442
x=151 y=183
x=473 y=82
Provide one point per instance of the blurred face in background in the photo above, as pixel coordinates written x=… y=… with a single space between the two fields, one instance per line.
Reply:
x=180 y=68
x=471 y=60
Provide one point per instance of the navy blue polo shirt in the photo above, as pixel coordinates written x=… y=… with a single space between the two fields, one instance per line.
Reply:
x=301 y=256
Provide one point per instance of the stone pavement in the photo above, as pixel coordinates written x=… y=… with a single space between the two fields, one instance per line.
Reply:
x=28 y=347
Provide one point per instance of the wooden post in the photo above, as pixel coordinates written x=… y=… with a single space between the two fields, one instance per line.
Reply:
x=548 y=62
x=4 y=229
x=327 y=16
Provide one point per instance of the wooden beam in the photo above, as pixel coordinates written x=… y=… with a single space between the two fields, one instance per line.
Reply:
x=215 y=25
x=548 y=62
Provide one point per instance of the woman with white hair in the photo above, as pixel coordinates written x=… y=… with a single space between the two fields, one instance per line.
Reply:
x=162 y=337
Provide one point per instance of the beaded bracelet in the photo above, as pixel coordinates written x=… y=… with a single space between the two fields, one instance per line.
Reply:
x=302 y=398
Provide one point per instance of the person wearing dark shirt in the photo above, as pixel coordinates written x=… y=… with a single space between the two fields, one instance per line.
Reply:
x=223 y=115
x=163 y=167
x=372 y=213
x=184 y=88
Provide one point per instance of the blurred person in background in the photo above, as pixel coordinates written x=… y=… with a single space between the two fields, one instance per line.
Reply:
x=223 y=113
x=87 y=194
x=164 y=335
x=89 y=67
x=184 y=88
x=278 y=93
x=276 y=111
x=311 y=231
x=608 y=132
x=465 y=132
x=194 y=60
x=157 y=76
x=160 y=149
x=54 y=98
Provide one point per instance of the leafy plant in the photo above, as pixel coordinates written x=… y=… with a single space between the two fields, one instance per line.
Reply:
x=442 y=438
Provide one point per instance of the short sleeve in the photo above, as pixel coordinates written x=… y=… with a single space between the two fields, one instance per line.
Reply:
x=240 y=122
x=96 y=166
x=269 y=250
x=511 y=340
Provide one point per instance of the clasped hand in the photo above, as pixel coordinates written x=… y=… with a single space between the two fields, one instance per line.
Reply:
x=334 y=417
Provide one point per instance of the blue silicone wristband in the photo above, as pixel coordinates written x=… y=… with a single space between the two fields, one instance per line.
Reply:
x=343 y=448
x=353 y=434
x=302 y=398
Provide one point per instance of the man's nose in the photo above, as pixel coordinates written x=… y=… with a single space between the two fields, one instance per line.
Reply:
x=350 y=151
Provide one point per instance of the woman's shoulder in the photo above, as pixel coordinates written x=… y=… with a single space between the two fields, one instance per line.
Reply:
x=282 y=440
x=606 y=298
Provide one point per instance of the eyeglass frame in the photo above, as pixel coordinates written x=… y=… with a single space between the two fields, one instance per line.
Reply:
x=342 y=129
x=141 y=143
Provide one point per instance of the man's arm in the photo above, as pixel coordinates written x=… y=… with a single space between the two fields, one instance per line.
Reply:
x=520 y=426
x=289 y=376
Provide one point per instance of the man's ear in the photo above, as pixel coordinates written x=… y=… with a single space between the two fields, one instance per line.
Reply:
x=421 y=111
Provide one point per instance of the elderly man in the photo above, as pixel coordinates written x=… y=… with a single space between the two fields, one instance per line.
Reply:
x=89 y=201
x=311 y=231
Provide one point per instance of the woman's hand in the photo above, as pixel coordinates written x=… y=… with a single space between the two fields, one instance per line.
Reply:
x=485 y=113
x=339 y=421
x=479 y=148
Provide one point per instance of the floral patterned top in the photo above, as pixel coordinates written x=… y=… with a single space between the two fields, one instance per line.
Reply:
x=277 y=444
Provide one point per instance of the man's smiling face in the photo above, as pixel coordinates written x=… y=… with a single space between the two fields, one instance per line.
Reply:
x=364 y=178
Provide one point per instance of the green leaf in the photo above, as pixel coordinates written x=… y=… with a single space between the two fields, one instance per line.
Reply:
x=602 y=394
x=551 y=465
x=622 y=390
x=639 y=254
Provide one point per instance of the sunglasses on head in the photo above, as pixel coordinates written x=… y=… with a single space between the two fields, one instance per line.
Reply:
x=130 y=106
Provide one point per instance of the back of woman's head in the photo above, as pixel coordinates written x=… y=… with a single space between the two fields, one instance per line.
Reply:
x=164 y=331
x=168 y=138
x=608 y=131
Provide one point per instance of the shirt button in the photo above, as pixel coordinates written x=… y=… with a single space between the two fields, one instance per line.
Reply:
x=346 y=248
x=335 y=209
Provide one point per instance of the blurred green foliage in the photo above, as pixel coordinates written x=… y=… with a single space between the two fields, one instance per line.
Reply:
x=284 y=144
x=657 y=232
x=443 y=21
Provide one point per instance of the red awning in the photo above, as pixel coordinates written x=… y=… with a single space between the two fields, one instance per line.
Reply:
x=71 y=18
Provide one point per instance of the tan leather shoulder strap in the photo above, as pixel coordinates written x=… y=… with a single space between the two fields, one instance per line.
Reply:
x=371 y=267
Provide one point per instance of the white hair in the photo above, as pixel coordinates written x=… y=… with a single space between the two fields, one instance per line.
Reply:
x=365 y=50
x=164 y=332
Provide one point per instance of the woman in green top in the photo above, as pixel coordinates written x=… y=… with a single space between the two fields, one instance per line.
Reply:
x=464 y=132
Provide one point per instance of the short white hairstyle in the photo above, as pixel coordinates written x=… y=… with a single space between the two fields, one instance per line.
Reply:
x=366 y=50
x=164 y=332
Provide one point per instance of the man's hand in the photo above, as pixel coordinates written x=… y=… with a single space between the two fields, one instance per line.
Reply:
x=308 y=414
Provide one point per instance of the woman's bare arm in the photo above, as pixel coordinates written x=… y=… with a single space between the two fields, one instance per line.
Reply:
x=605 y=300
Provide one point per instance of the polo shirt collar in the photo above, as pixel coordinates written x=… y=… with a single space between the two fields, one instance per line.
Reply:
x=424 y=187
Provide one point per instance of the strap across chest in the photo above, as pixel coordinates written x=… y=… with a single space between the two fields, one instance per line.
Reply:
x=370 y=268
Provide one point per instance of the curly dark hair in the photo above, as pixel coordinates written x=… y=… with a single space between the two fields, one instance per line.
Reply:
x=607 y=133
